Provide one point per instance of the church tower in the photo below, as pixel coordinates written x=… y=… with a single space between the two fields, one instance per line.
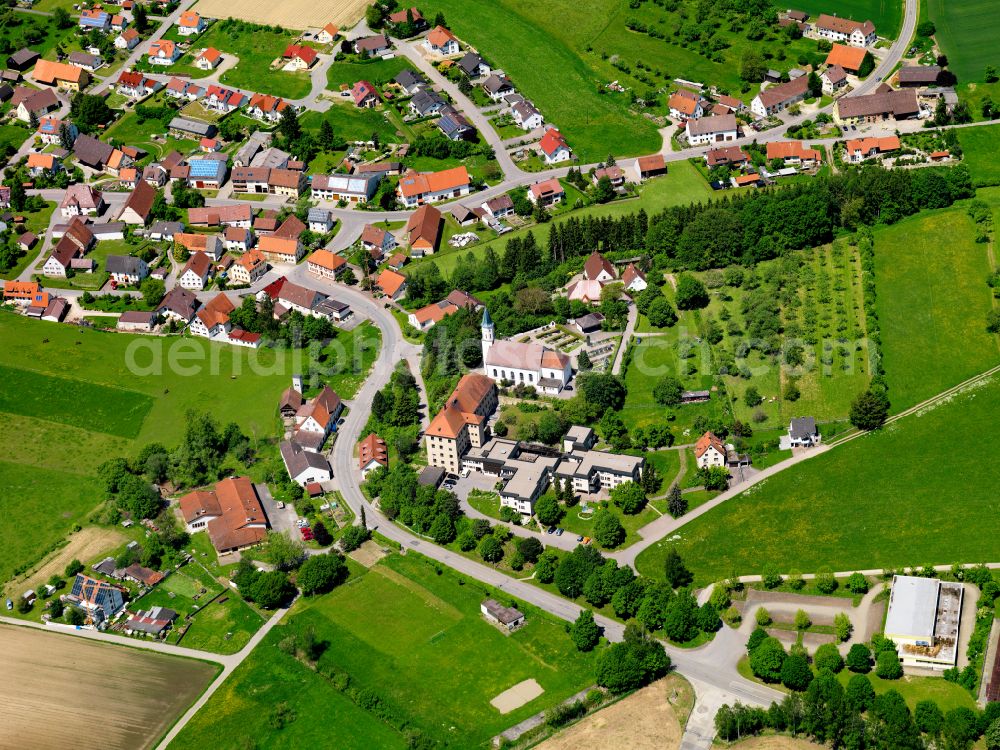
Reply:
x=488 y=334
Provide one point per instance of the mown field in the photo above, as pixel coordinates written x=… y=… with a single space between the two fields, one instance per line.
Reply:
x=376 y=70
x=411 y=637
x=58 y=688
x=912 y=494
x=542 y=49
x=352 y=124
x=966 y=32
x=932 y=304
x=256 y=49
x=979 y=153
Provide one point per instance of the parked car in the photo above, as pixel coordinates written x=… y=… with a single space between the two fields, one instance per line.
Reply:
x=550 y=530
x=559 y=532
x=586 y=540
x=10 y=604
x=580 y=538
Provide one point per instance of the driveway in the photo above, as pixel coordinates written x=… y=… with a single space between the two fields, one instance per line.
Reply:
x=281 y=519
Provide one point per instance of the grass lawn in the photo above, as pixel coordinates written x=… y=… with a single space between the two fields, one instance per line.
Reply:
x=979 y=153
x=947 y=695
x=13 y=135
x=129 y=130
x=38 y=32
x=529 y=41
x=241 y=708
x=578 y=522
x=912 y=494
x=376 y=70
x=353 y=124
x=224 y=626
x=256 y=50
x=966 y=33
x=349 y=357
x=932 y=304
x=37 y=222
x=418 y=640
x=681 y=186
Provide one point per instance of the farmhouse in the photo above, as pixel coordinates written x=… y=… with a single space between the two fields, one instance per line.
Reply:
x=554 y=147
x=884 y=104
x=377 y=241
x=61 y=75
x=709 y=451
x=81 y=200
x=780 y=97
x=249 y=267
x=836 y=29
x=919 y=75
x=233 y=215
x=179 y=304
x=462 y=423
x=232 y=514
x=279 y=249
x=923 y=620
x=793 y=152
x=126 y=269
x=100 y=599
x=851 y=59
x=833 y=79
x=207 y=173
x=196 y=272
x=685 y=105
x=304 y=466
x=498 y=614
x=209 y=244
x=547 y=193
x=372 y=454
x=715 y=129
x=861 y=149
x=416 y=188
x=529 y=363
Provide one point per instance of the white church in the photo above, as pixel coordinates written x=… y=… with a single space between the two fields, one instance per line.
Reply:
x=547 y=370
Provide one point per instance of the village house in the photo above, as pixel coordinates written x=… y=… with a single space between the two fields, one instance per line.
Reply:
x=128 y=39
x=554 y=147
x=357 y=188
x=326 y=265
x=473 y=65
x=377 y=241
x=231 y=514
x=919 y=75
x=423 y=230
x=425 y=318
x=299 y=57
x=126 y=269
x=26 y=102
x=709 y=451
x=220 y=99
x=364 y=95
x=208 y=59
x=99 y=599
x=686 y=105
x=615 y=175
x=802 y=433
x=598 y=268
x=287 y=182
x=372 y=454
x=81 y=200
x=526 y=116
x=250 y=266
x=39 y=164
x=497 y=86
x=373 y=45
x=136 y=321
x=52 y=131
x=137 y=208
x=190 y=23
x=60 y=75
x=250 y=179
x=633 y=279
x=178 y=88
x=409 y=81
x=453 y=124
x=317 y=418
x=134 y=84
x=179 y=304
x=328 y=33
x=233 y=215
x=727 y=156
x=304 y=466
x=858 y=150
x=85 y=60
x=206 y=172
x=775 y=99
x=69 y=251
x=94 y=18
x=196 y=272
x=411 y=15
x=416 y=188
x=547 y=192
x=793 y=153
x=851 y=32
x=163 y=52
x=278 y=249
x=391 y=284
x=266 y=108
x=834 y=78
x=440 y=41
x=426 y=102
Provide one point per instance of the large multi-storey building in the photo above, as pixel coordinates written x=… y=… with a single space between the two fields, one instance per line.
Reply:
x=462 y=423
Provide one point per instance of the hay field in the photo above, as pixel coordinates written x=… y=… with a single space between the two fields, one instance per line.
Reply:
x=58 y=689
x=292 y=14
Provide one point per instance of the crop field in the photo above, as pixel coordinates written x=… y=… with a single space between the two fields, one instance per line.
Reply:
x=932 y=304
x=979 y=153
x=256 y=49
x=292 y=14
x=885 y=14
x=838 y=510
x=58 y=688
x=966 y=32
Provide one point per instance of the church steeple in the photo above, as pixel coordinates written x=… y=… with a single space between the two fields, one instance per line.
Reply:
x=489 y=333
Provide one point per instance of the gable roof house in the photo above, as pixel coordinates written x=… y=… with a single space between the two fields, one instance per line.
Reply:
x=426 y=317
x=440 y=41
x=633 y=279
x=423 y=230
x=126 y=269
x=266 y=107
x=39 y=164
x=416 y=188
x=919 y=75
x=299 y=56
x=834 y=78
x=861 y=149
x=473 y=65
x=325 y=264
x=453 y=124
x=793 y=152
x=802 y=432
x=364 y=95
x=463 y=422
x=23 y=59
x=526 y=116
x=377 y=241
x=685 y=105
x=208 y=59
x=127 y=39
x=178 y=88
x=136 y=85
x=231 y=513
x=212 y=320
x=304 y=466
x=884 y=104
x=409 y=81
x=163 y=52
x=281 y=249
x=777 y=98
x=554 y=147
x=426 y=102
x=391 y=284
x=497 y=86
x=709 y=451
x=836 y=29
x=373 y=45
x=27 y=101
x=328 y=33
x=355 y=188
x=190 y=23
x=61 y=75
x=153 y=622
x=207 y=172
x=849 y=58
x=196 y=271
x=139 y=204
x=81 y=200
x=372 y=454
x=101 y=600
x=85 y=60
x=599 y=268
x=179 y=304
x=94 y=18
x=287 y=182
x=91 y=152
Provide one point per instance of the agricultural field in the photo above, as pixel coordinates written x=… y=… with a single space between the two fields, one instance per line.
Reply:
x=966 y=33
x=256 y=48
x=126 y=696
x=832 y=510
x=410 y=636
x=932 y=304
x=293 y=14
x=979 y=153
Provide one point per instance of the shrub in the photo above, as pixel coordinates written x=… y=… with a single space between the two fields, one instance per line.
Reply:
x=887 y=666
x=828 y=657
x=859 y=658
x=763 y=617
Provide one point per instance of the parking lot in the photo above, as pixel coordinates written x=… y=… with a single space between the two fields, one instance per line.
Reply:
x=475 y=481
